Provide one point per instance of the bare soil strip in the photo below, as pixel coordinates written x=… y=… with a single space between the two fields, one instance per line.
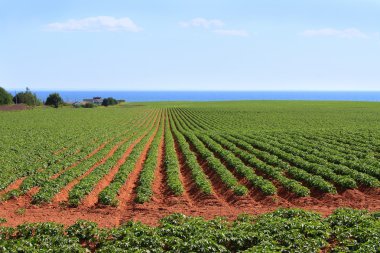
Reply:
x=78 y=162
x=108 y=216
x=13 y=186
x=126 y=192
x=92 y=198
x=97 y=150
x=247 y=200
x=190 y=189
x=64 y=193
x=283 y=196
x=160 y=189
x=16 y=107
x=223 y=196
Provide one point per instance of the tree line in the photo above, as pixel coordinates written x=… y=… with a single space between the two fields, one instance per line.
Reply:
x=54 y=99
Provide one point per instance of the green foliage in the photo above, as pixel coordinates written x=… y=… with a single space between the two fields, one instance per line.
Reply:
x=54 y=100
x=84 y=231
x=171 y=163
x=298 y=146
x=355 y=231
x=89 y=105
x=284 y=230
x=26 y=97
x=20 y=211
x=215 y=164
x=108 y=196
x=221 y=139
x=109 y=101
x=144 y=191
x=197 y=172
x=5 y=97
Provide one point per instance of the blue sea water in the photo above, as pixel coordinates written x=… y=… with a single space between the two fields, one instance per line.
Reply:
x=145 y=96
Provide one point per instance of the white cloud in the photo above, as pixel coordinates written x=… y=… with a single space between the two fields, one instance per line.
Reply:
x=214 y=24
x=99 y=23
x=202 y=22
x=330 y=32
x=241 y=33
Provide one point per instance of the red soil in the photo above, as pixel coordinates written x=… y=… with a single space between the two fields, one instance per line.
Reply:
x=92 y=198
x=221 y=203
x=64 y=194
x=159 y=187
x=151 y=212
x=127 y=192
x=222 y=195
x=13 y=186
x=17 y=107
x=76 y=163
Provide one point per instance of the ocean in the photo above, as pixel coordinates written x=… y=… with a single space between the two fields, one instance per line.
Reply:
x=145 y=96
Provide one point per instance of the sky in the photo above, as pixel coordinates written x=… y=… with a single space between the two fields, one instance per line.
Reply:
x=190 y=45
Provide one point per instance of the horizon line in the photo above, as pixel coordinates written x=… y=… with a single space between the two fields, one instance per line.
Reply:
x=64 y=90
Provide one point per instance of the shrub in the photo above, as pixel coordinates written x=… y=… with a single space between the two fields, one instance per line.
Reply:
x=26 y=97
x=54 y=100
x=5 y=97
x=89 y=105
x=109 y=101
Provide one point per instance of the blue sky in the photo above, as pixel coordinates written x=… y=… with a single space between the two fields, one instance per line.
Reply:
x=190 y=45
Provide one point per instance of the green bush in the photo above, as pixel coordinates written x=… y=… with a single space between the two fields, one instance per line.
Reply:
x=284 y=230
x=109 y=101
x=89 y=105
x=5 y=97
x=26 y=97
x=54 y=100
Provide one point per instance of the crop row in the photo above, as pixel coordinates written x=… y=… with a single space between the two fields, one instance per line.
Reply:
x=41 y=177
x=197 y=174
x=270 y=171
x=86 y=185
x=368 y=164
x=52 y=187
x=325 y=158
x=144 y=191
x=202 y=121
x=171 y=162
x=284 y=230
x=28 y=150
x=349 y=151
x=191 y=121
x=311 y=180
x=299 y=162
x=363 y=155
x=226 y=177
x=109 y=195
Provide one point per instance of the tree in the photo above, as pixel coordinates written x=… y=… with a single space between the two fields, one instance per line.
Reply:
x=5 y=97
x=26 y=97
x=109 y=101
x=54 y=99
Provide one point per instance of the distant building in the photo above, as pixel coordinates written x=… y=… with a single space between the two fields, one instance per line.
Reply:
x=94 y=100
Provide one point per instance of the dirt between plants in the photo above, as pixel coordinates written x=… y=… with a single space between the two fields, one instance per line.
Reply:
x=19 y=210
x=17 y=107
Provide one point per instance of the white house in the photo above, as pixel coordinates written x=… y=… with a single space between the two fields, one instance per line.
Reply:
x=94 y=100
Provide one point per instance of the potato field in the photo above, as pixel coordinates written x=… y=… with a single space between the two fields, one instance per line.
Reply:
x=144 y=161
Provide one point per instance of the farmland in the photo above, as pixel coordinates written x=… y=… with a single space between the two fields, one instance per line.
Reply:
x=144 y=161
